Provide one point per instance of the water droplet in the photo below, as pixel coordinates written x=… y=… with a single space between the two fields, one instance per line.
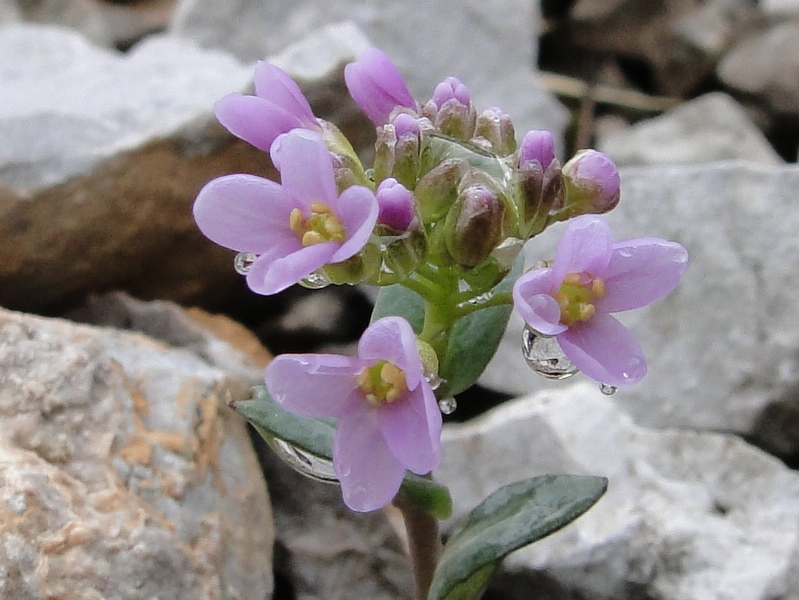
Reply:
x=606 y=389
x=545 y=356
x=315 y=281
x=626 y=252
x=447 y=406
x=243 y=262
x=634 y=369
x=480 y=300
x=433 y=380
x=681 y=257
x=309 y=465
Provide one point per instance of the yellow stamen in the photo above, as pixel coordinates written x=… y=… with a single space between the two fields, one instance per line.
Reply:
x=309 y=238
x=577 y=295
x=572 y=279
x=295 y=221
x=383 y=382
x=318 y=227
x=587 y=311
x=598 y=287
x=320 y=208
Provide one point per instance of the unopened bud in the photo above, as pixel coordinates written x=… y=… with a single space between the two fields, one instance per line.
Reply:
x=385 y=151
x=406 y=153
x=475 y=225
x=437 y=190
x=537 y=146
x=542 y=192
x=494 y=125
x=397 y=206
x=454 y=114
x=591 y=184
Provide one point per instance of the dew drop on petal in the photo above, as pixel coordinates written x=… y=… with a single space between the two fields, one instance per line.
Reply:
x=315 y=281
x=447 y=406
x=303 y=462
x=243 y=262
x=634 y=369
x=545 y=356
x=626 y=252
x=606 y=389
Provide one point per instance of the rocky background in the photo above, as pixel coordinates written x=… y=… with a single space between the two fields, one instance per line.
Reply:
x=123 y=474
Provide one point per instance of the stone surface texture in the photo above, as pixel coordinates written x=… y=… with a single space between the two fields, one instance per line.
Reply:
x=765 y=64
x=687 y=516
x=710 y=128
x=723 y=347
x=425 y=40
x=123 y=473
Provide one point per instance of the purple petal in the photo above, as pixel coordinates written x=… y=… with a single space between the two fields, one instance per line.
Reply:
x=244 y=213
x=397 y=207
x=255 y=120
x=312 y=385
x=306 y=167
x=369 y=473
x=377 y=86
x=357 y=208
x=641 y=271
x=605 y=350
x=411 y=426
x=286 y=263
x=585 y=247
x=449 y=89
x=537 y=145
x=274 y=84
x=392 y=339
x=532 y=297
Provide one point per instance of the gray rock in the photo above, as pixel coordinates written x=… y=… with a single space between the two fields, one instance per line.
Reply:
x=779 y=8
x=84 y=16
x=766 y=65
x=426 y=43
x=687 y=515
x=9 y=12
x=69 y=106
x=126 y=474
x=709 y=128
x=723 y=349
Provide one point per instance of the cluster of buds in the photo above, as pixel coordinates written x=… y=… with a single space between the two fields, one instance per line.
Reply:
x=444 y=210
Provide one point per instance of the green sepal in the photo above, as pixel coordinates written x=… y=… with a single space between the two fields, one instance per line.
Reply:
x=314 y=438
x=512 y=517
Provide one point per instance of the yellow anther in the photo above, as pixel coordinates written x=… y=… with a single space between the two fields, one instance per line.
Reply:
x=383 y=382
x=598 y=287
x=335 y=229
x=295 y=221
x=587 y=311
x=309 y=238
x=320 y=208
x=572 y=279
x=392 y=374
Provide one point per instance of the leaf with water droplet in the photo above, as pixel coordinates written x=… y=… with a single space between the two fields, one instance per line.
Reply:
x=512 y=517
x=306 y=445
x=315 y=281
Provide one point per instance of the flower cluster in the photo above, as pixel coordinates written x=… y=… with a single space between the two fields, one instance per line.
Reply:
x=444 y=211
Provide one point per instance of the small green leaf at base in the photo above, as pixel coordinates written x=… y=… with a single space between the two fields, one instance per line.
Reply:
x=307 y=446
x=512 y=517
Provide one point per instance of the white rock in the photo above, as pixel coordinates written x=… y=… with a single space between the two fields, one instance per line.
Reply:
x=723 y=348
x=709 y=128
x=65 y=105
x=127 y=475
x=779 y=8
x=766 y=64
x=687 y=515
x=488 y=45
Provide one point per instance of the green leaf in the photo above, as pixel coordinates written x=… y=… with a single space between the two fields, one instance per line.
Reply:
x=310 y=444
x=512 y=517
x=397 y=300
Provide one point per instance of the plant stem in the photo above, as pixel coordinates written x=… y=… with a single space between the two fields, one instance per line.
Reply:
x=424 y=544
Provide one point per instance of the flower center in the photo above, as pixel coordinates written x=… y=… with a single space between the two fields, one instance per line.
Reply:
x=382 y=382
x=577 y=295
x=320 y=226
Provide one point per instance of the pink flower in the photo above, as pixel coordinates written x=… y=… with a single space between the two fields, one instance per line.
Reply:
x=388 y=419
x=277 y=107
x=377 y=86
x=397 y=207
x=590 y=278
x=295 y=227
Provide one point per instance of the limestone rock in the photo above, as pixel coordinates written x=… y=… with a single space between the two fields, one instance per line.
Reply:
x=723 y=347
x=124 y=475
x=426 y=42
x=687 y=515
x=766 y=64
x=779 y=8
x=709 y=128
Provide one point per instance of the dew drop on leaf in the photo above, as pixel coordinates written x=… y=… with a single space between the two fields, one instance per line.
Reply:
x=309 y=465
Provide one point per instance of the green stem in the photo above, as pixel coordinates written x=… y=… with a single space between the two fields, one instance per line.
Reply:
x=424 y=544
x=499 y=299
x=425 y=288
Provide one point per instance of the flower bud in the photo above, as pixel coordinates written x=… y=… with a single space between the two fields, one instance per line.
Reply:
x=437 y=190
x=495 y=126
x=377 y=86
x=454 y=114
x=475 y=225
x=591 y=184
x=542 y=192
x=397 y=207
x=538 y=146
x=385 y=152
x=406 y=154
